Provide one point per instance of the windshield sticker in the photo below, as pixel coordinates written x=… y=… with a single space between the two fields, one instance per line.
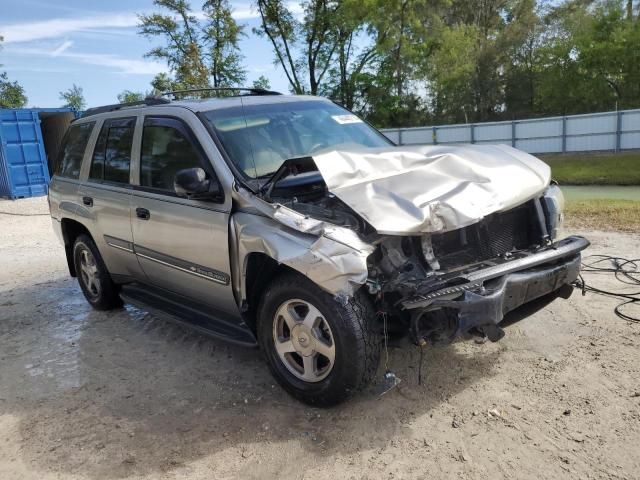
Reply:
x=346 y=119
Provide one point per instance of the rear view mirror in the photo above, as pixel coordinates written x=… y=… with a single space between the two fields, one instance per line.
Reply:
x=194 y=183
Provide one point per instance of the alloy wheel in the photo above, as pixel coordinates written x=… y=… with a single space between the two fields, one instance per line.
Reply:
x=89 y=273
x=303 y=340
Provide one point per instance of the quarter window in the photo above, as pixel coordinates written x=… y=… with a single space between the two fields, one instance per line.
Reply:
x=73 y=148
x=167 y=147
x=112 y=155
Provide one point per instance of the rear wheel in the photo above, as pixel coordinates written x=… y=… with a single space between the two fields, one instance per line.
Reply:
x=93 y=277
x=320 y=350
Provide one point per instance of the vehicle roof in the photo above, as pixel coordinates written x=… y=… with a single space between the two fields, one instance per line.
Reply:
x=201 y=105
x=208 y=104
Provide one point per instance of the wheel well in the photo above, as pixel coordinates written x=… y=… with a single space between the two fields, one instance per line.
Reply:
x=71 y=230
x=260 y=270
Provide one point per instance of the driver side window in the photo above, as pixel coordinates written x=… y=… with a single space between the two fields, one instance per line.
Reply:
x=167 y=147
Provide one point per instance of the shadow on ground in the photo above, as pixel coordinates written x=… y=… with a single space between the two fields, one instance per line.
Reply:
x=112 y=394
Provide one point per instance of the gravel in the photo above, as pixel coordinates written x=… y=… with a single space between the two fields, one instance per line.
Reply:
x=86 y=394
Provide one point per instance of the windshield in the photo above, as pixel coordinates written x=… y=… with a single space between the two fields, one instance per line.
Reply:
x=258 y=138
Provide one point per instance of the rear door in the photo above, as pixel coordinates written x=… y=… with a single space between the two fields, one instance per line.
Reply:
x=105 y=197
x=182 y=245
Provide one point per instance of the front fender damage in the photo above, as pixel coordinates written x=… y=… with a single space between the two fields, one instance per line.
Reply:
x=333 y=257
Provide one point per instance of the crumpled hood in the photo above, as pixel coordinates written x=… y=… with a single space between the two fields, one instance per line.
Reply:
x=420 y=189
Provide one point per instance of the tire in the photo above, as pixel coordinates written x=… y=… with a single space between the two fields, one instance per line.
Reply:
x=94 y=279
x=342 y=330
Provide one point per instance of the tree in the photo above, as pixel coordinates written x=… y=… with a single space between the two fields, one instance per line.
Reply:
x=451 y=74
x=589 y=59
x=403 y=63
x=523 y=39
x=348 y=77
x=607 y=42
x=195 y=51
x=484 y=64
x=162 y=83
x=262 y=82
x=222 y=35
x=11 y=93
x=404 y=34
x=127 y=96
x=73 y=98
x=302 y=48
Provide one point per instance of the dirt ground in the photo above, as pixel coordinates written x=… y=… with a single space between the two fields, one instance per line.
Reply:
x=86 y=394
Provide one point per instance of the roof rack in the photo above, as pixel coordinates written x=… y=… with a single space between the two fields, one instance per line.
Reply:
x=149 y=101
x=159 y=100
x=252 y=91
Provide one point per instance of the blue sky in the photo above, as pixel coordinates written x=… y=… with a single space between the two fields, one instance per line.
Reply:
x=49 y=45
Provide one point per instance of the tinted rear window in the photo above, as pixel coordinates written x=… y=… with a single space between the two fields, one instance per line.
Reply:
x=112 y=155
x=72 y=152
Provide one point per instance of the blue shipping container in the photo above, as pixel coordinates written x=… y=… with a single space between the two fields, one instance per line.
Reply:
x=29 y=142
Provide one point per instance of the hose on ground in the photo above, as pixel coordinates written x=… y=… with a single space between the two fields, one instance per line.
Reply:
x=625 y=271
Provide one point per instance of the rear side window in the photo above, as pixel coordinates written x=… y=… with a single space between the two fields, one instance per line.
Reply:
x=167 y=147
x=112 y=156
x=72 y=152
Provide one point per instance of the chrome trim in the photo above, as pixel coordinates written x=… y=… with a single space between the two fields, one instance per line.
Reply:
x=119 y=243
x=119 y=247
x=182 y=269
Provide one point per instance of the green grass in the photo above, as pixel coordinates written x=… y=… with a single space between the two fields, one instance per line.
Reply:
x=595 y=169
x=619 y=215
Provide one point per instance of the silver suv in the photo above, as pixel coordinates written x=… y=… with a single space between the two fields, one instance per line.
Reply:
x=289 y=223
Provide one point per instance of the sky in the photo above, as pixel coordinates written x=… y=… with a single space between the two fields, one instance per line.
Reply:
x=51 y=44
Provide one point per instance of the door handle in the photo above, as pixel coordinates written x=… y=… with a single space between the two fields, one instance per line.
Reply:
x=143 y=213
x=88 y=201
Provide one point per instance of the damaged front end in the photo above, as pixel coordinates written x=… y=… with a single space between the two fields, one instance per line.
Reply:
x=442 y=286
x=445 y=240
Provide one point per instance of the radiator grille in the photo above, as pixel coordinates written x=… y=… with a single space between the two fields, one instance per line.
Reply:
x=494 y=236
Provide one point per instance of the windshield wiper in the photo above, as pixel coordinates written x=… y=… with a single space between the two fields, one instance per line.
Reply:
x=265 y=175
x=291 y=166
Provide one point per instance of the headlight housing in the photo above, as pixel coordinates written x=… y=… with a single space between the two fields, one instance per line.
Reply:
x=553 y=205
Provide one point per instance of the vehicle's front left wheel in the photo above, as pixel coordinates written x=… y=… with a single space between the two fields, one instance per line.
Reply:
x=319 y=349
x=93 y=276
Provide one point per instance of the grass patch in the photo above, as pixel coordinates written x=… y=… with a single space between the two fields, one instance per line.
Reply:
x=595 y=169
x=619 y=215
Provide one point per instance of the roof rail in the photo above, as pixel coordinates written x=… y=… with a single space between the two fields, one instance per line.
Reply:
x=149 y=101
x=252 y=91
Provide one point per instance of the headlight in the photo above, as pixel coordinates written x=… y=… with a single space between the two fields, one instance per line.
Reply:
x=553 y=204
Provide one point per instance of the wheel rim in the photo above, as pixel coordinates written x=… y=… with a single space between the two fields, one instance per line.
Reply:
x=89 y=273
x=303 y=340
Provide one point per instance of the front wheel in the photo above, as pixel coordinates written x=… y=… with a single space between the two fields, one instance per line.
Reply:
x=320 y=350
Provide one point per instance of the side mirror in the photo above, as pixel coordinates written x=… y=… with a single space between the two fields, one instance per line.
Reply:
x=194 y=183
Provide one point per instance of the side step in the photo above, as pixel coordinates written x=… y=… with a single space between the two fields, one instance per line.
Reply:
x=202 y=318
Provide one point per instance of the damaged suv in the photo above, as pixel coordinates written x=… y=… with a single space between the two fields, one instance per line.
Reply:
x=289 y=223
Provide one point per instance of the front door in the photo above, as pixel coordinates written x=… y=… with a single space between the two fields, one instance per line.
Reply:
x=182 y=245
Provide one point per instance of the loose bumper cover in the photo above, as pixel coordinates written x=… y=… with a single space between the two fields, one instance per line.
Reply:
x=487 y=294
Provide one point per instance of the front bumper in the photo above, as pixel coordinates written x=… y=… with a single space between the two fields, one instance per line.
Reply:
x=482 y=297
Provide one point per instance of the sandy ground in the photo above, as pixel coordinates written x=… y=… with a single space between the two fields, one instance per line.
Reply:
x=85 y=394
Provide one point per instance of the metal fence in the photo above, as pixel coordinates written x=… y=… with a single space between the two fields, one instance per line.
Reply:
x=614 y=131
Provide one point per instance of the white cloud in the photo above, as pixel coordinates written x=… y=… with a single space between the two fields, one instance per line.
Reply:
x=261 y=68
x=120 y=64
x=62 y=48
x=60 y=27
